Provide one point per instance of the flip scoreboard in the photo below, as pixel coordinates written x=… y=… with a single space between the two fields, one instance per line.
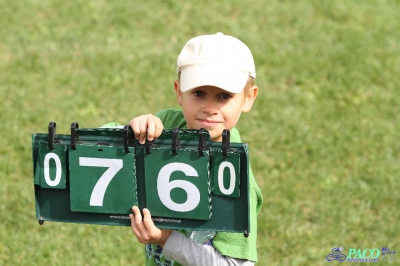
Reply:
x=96 y=175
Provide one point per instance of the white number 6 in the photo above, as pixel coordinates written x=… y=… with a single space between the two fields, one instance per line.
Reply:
x=164 y=187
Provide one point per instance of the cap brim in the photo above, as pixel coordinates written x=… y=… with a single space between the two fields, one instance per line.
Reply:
x=212 y=75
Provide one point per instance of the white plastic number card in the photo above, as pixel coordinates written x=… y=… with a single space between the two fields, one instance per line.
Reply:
x=96 y=175
x=102 y=179
x=178 y=185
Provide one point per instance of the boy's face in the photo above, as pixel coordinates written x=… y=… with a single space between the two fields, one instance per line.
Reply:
x=213 y=108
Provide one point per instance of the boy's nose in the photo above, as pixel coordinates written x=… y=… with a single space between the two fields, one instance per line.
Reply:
x=210 y=108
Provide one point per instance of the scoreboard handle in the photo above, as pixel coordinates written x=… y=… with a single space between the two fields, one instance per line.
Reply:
x=52 y=132
x=202 y=142
x=175 y=140
x=126 y=138
x=226 y=142
x=74 y=136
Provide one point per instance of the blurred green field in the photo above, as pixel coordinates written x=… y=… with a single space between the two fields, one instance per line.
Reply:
x=323 y=134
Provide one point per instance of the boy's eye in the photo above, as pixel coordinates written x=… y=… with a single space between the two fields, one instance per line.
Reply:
x=198 y=93
x=224 y=96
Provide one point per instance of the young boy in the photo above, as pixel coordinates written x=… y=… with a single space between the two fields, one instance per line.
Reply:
x=215 y=85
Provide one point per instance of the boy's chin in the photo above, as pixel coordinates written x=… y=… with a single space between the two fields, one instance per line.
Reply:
x=215 y=134
x=216 y=138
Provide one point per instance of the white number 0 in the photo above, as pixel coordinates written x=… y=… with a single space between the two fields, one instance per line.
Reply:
x=114 y=165
x=46 y=165
x=221 y=178
x=164 y=187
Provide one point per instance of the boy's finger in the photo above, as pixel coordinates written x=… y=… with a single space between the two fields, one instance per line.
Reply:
x=139 y=127
x=143 y=125
x=133 y=225
x=135 y=217
x=151 y=128
x=138 y=222
x=134 y=123
x=158 y=128
x=148 y=222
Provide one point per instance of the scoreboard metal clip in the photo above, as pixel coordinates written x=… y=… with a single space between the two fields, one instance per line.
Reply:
x=74 y=135
x=51 y=135
x=126 y=138
x=175 y=141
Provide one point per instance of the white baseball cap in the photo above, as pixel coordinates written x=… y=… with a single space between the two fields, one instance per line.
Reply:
x=215 y=60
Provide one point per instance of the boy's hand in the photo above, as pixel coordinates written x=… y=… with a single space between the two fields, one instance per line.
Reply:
x=145 y=230
x=149 y=126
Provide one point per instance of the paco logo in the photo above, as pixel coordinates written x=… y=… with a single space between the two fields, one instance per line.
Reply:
x=367 y=255
x=360 y=255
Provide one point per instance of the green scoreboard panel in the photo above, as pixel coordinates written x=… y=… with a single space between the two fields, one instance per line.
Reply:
x=96 y=175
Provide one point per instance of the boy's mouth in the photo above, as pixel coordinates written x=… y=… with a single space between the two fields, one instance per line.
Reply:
x=209 y=123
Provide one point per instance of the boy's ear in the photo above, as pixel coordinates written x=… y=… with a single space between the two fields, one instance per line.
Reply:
x=178 y=91
x=249 y=98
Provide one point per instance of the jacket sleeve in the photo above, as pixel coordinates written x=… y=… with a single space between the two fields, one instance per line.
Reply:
x=186 y=252
x=172 y=118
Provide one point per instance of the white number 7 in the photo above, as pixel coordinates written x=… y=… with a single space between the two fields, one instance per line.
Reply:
x=114 y=165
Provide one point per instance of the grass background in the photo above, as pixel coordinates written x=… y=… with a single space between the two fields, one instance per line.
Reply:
x=323 y=134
